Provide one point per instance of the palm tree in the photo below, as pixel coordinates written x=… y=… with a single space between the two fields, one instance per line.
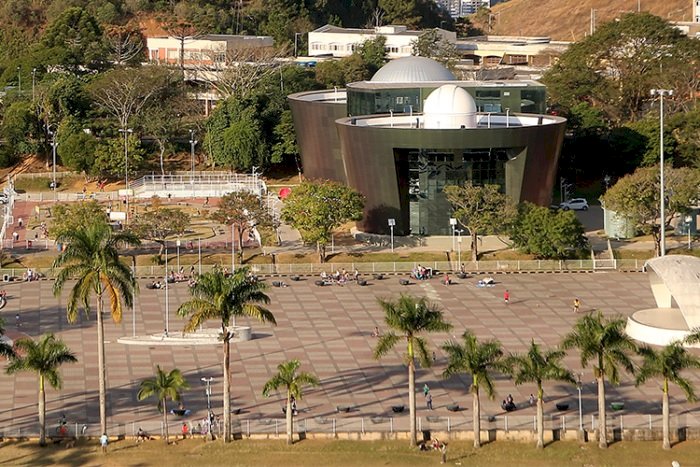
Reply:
x=693 y=337
x=6 y=349
x=537 y=366
x=222 y=298
x=164 y=386
x=477 y=359
x=409 y=317
x=43 y=358
x=288 y=378
x=668 y=363
x=91 y=257
x=604 y=342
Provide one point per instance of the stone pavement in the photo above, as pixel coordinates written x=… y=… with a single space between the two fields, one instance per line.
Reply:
x=329 y=330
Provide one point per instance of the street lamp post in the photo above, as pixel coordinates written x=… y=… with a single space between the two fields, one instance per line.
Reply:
x=199 y=254
x=53 y=154
x=453 y=223
x=19 y=79
x=459 y=248
x=661 y=93
x=126 y=132
x=579 y=386
x=208 y=381
x=167 y=301
x=33 y=82
x=688 y=222
x=177 y=244
x=233 y=249
x=392 y=223
x=193 y=143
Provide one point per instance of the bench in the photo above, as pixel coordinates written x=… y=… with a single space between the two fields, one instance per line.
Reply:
x=343 y=408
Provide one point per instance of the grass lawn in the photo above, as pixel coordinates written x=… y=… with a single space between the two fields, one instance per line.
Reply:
x=346 y=453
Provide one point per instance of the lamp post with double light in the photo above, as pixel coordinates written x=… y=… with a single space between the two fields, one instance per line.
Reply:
x=392 y=223
x=459 y=248
x=662 y=212
x=126 y=132
x=579 y=386
x=453 y=224
x=193 y=143
x=207 y=382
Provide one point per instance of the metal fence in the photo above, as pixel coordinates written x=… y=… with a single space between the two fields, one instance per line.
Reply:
x=333 y=425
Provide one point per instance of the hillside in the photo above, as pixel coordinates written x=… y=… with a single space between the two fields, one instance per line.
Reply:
x=569 y=20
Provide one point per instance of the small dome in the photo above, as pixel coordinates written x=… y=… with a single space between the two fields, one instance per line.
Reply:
x=412 y=70
x=449 y=107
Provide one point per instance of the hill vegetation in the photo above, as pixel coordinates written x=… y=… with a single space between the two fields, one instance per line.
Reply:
x=570 y=20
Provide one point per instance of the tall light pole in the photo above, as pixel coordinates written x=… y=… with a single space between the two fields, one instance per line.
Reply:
x=208 y=381
x=661 y=93
x=392 y=223
x=33 y=82
x=233 y=249
x=688 y=223
x=19 y=79
x=193 y=142
x=453 y=223
x=177 y=244
x=459 y=248
x=53 y=154
x=126 y=132
x=579 y=386
x=167 y=301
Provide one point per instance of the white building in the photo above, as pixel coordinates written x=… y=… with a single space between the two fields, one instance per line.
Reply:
x=207 y=50
x=341 y=42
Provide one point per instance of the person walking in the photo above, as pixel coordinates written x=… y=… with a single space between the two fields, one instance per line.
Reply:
x=577 y=304
x=506 y=296
x=429 y=401
x=426 y=390
x=104 y=441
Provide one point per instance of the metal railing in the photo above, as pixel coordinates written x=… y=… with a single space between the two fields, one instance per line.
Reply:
x=332 y=425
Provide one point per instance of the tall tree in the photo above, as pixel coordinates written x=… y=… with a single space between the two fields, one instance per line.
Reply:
x=433 y=44
x=243 y=211
x=43 y=358
x=91 y=258
x=668 y=363
x=71 y=217
x=602 y=342
x=479 y=360
x=546 y=234
x=400 y=12
x=163 y=386
x=218 y=297
x=6 y=349
x=76 y=37
x=183 y=31
x=537 y=366
x=636 y=197
x=125 y=44
x=408 y=318
x=158 y=224
x=293 y=383
x=480 y=210
x=317 y=208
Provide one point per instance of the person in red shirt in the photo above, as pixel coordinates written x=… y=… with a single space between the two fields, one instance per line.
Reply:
x=185 y=430
x=506 y=296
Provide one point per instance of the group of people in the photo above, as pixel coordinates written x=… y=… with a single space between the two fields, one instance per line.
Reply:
x=422 y=273
x=30 y=275
x=339 y=277
x=508 y=404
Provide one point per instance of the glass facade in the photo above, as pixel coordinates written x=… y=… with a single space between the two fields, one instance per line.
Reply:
x=431 y=170
x=526 y=98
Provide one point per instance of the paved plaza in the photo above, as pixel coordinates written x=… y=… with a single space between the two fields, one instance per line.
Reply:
x=329 y=329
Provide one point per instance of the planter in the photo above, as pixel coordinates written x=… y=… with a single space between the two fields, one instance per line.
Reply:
x=617 y=405
x=453 y=407
x=362 y=282
x=562 y=406
x=295 y=278
x=319 y=283
x=398 y=408
x=404 y=281
x=379 y=277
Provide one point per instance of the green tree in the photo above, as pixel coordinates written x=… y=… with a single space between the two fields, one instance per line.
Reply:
x=43 y=358
x=546 y=234
x=615 y=67
x=78 y=34
x=317 y=208
x=163 y=386
x=408 y=318
x=218 y=297
x=77 y=151
x=479 y=360
x=636 y=196
x=537 y=366
x=400 y=12
x=293 y=383
x=667 y=364
x=19 y=129
x=158 y=224
x=110 y=160
x=243 y=211
x=91 y=257
x=70 y=217
x=433 y=45
x=602 y=342
x=373 y=53
x=234 y=136
x=480 y=210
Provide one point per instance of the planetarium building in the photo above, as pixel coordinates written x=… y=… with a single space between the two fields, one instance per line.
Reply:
x=413 y=129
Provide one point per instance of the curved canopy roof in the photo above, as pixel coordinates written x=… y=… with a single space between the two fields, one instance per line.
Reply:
x=677 y=277
x=412 y=70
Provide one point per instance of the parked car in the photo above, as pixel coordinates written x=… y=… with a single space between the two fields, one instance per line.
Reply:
x=576 y=204
x=4 y=199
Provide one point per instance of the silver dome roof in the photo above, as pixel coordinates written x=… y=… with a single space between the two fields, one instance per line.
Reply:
x=412 y=70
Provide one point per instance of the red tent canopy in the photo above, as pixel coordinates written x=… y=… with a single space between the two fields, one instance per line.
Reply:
x=284 y=192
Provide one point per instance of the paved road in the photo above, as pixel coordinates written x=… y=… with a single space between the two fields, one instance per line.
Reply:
x=329 y=330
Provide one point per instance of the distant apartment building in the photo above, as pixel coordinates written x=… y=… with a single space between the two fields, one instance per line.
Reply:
x=341 y=42
x=206 y=50
x=459 y=8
